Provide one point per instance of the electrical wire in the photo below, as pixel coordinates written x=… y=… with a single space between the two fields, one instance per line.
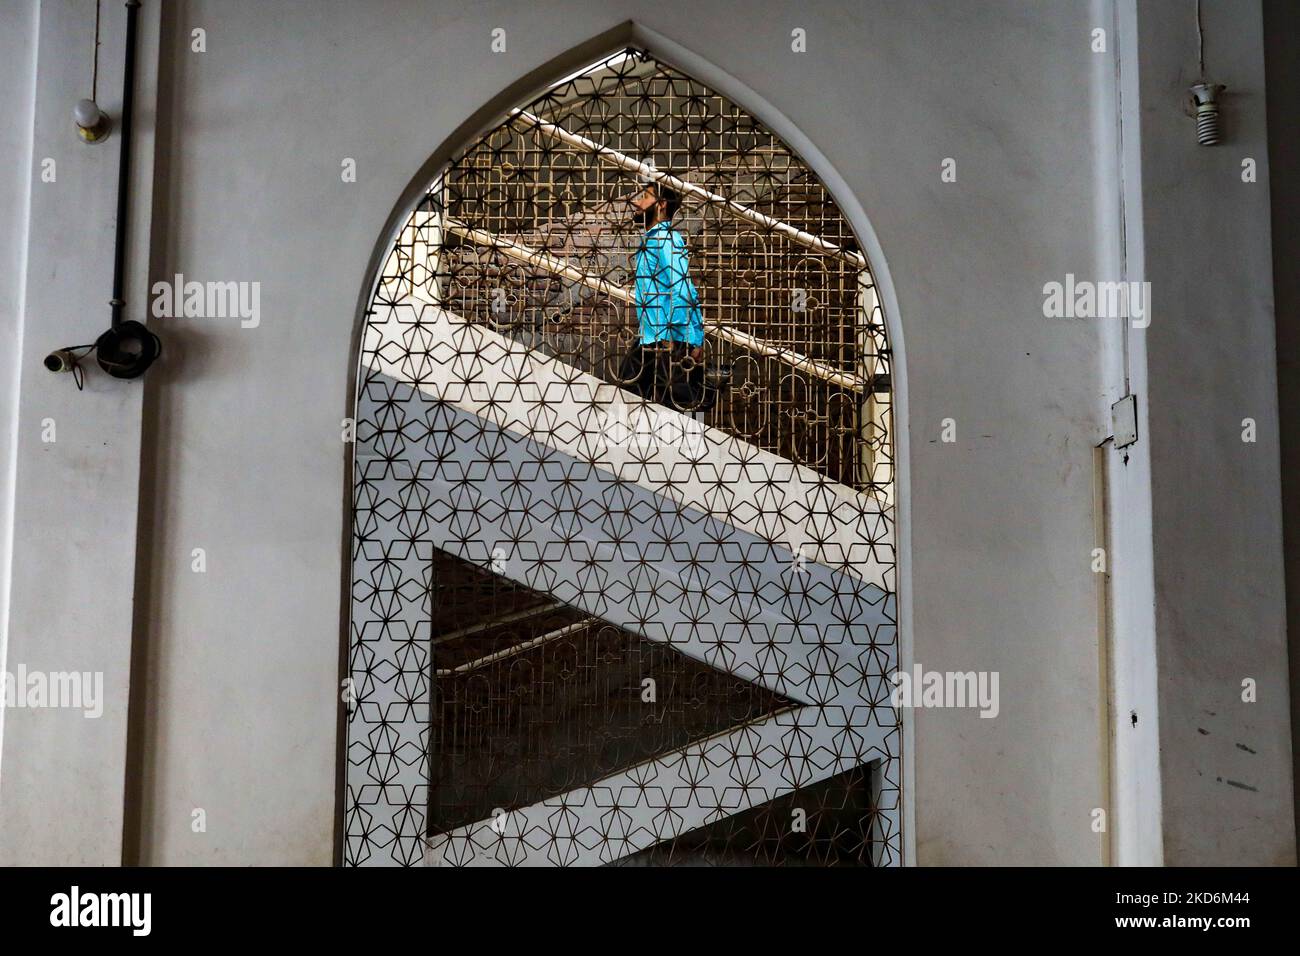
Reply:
x=94 y=72
x=78 y=376
x=1200 y=41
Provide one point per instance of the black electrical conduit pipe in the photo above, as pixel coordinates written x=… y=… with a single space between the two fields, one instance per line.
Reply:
x=124 y=164
x=127 y=348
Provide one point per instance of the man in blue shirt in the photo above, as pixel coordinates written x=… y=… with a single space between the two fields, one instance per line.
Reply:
x=664 y=365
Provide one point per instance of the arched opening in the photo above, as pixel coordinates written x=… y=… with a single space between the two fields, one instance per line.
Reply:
x=599 y=618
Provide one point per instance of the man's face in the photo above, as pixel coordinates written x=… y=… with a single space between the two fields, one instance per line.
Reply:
x=643 y=207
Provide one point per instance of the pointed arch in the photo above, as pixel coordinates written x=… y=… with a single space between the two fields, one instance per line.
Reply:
x=385 y=801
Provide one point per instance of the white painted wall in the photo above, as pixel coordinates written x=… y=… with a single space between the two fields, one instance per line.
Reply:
x=242 y=454
x=18 y=32
x=71 y=548
x=1226 y=783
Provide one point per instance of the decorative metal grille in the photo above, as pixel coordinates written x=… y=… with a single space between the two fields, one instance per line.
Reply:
x=586 y=628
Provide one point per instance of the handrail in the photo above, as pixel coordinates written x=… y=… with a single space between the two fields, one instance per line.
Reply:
x=622 y=160
x=543 y=260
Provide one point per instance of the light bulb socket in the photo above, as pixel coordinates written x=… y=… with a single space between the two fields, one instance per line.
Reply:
x=1203 y=103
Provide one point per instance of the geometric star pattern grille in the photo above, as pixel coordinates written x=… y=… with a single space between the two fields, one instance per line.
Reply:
x=586 y=628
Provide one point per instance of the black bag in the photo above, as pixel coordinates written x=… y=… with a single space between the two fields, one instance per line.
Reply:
x=665 y=373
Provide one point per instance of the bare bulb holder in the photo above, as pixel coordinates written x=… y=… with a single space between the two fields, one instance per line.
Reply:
x=1203 y=103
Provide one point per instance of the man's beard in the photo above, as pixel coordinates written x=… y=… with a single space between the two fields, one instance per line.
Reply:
x=643 y=217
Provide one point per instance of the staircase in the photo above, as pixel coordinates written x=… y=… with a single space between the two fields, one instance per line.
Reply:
x=635 y=515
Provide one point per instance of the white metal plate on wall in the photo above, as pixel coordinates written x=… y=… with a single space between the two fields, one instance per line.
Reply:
x=1124 y=421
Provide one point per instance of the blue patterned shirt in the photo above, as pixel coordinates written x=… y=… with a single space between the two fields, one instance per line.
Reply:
x=667 y=302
